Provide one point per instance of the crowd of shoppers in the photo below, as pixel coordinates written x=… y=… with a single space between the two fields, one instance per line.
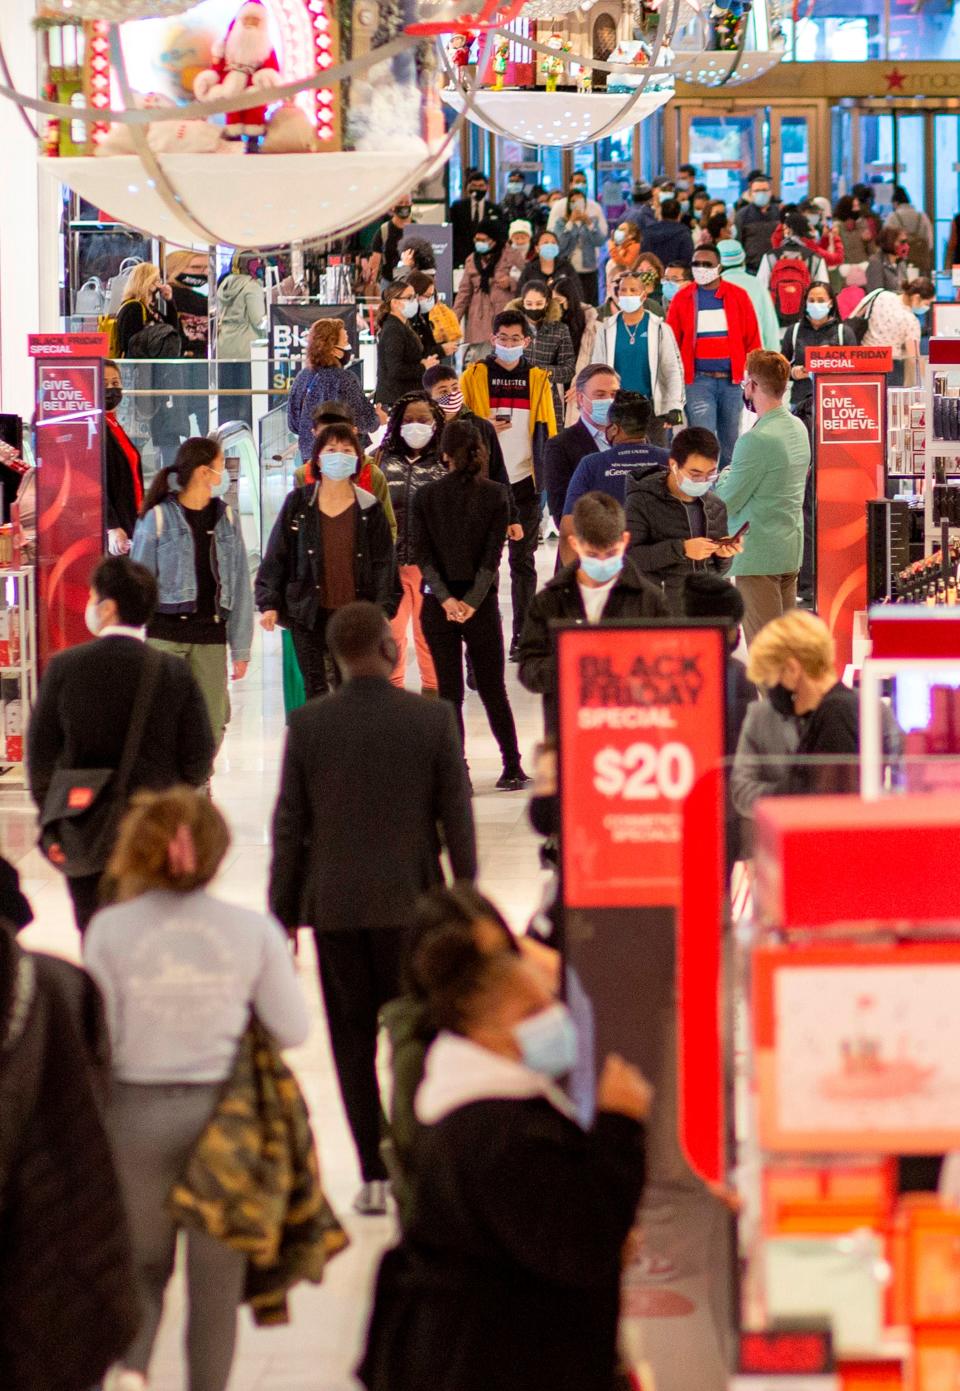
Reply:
x=624 y=417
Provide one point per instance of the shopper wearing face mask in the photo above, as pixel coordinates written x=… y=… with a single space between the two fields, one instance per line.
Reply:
x=675 y=519
x=517 y=397
x=508 y=1273
x=580 y=237
x=594 y=389
x=331 y=544
x=521 y=239
x=764 y=486
x=517 y=203
x=560 y=211
x=442 y=385
x=546 y=264
x=820 y=327
x=896 y=321
x=670 y=239
x=608 y=470
x=600 y=582
x=715 y=327
x=757 y=221
x=459 y=530
x=468 y=212
x=551 y=346
x=324 y=377
x=486 y=288
x=624 y=250
x=191 y=540
x=642 y=350
x=410 y=459
x=733 y=262
x=105 y=676
x=436 y=317
x=124 y=470
x=400 y=357
x=385 y=251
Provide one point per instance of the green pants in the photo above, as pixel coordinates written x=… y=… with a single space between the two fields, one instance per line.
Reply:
x=208 y=662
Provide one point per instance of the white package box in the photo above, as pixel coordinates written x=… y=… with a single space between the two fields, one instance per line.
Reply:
x=840 y=1279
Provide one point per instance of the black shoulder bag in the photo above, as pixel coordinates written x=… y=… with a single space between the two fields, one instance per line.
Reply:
x=84 y=806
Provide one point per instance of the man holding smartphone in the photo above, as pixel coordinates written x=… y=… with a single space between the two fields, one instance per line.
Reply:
x=518 y=399
x=677 y=523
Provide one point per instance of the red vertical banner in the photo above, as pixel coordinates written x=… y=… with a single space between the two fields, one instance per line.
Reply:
x=70 y=490
x=849 y=456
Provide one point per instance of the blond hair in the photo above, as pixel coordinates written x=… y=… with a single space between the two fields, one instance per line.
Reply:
x=149 y=853
x=139 y=281
x=177 y=262
x=796 y=634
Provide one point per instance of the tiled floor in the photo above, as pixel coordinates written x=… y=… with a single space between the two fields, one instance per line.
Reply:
x=319 y=1348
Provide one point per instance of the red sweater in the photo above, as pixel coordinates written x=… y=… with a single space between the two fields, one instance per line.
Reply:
x=742 y=328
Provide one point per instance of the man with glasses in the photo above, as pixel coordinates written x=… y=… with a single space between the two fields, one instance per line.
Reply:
x=518 y=399
x=715 y=326
x=757 y=220
x=764 y=486
x=676 y=521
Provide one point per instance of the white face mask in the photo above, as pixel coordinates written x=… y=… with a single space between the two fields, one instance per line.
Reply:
x=706 y=275
x=417 y=434
x=92 y=618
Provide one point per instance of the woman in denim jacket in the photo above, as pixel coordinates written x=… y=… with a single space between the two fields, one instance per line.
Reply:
x=190 y=539
x=580 y=236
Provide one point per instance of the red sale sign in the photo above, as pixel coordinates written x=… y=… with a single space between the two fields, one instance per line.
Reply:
x=849 y=439
x=641 y=719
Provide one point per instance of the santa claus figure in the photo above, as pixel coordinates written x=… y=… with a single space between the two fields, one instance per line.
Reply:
x=246 y=60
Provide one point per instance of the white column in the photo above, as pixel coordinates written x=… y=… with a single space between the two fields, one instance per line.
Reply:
x=29 y=221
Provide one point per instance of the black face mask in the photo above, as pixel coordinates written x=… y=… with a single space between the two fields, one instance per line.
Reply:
x=112 y=396
x=534 y=315
x=194 y=282
x=782 y=700
x=345 y=355
x=544 y=815
x=479 y=193
x=748 y=404
x=402 y=212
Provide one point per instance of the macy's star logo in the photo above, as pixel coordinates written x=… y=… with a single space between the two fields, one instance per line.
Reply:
x=895 y=80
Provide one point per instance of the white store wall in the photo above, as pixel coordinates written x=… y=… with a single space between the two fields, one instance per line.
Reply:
x=29 y=221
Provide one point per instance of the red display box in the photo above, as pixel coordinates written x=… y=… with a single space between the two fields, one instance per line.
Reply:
x=823 y=861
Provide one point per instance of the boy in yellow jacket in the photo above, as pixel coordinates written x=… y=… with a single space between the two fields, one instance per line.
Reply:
x=505 y=389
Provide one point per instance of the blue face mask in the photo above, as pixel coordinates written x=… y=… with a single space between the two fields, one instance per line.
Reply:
x=548 y=1042
x=691 y=487
x=482 y=247
x=920 y=313
x=337 y=464
x=549 y=252
x=818 y=310
x=600 y=411
x=668 y=288
x=760 y=200
x=619 y=237
x=629 y=304
x=603 y=571
x=508 y=355
x=222 y=486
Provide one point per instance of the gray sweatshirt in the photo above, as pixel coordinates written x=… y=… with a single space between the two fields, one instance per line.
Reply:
x=179 y=974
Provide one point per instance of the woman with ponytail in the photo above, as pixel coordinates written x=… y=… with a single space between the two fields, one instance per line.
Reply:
x=180 y=972
x=191 y=541
x=459 y=530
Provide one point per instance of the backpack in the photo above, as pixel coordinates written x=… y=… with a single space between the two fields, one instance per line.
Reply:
x=107 y=323
x=789 y=282
x=920 y=255
x=859 y=320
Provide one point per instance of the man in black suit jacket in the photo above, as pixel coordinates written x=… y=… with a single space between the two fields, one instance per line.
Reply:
x=85 y=704
x=368 y=775
x=124 y=492
x=468 y=212
x=595 y=384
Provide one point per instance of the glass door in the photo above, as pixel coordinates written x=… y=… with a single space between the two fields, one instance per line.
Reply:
x=724 y=148
x=893 y=150
x=608 y=165
x=541 y=164
x=791 y=141
x=946 y=181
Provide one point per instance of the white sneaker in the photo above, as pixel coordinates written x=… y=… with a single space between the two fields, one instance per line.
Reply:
x=122 y=1379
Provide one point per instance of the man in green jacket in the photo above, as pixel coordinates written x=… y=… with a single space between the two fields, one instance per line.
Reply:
x=764 y=486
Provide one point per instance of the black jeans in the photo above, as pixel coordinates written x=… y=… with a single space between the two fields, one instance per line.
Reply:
x=360 y=973
x=317 y=667
x=85 y=896
x=523 y=567
x=483 y=636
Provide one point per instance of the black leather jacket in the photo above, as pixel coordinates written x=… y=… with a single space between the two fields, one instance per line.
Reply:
x=404 y=478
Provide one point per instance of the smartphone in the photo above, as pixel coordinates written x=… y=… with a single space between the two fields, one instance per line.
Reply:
x=502 y=417
x=729 y=540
